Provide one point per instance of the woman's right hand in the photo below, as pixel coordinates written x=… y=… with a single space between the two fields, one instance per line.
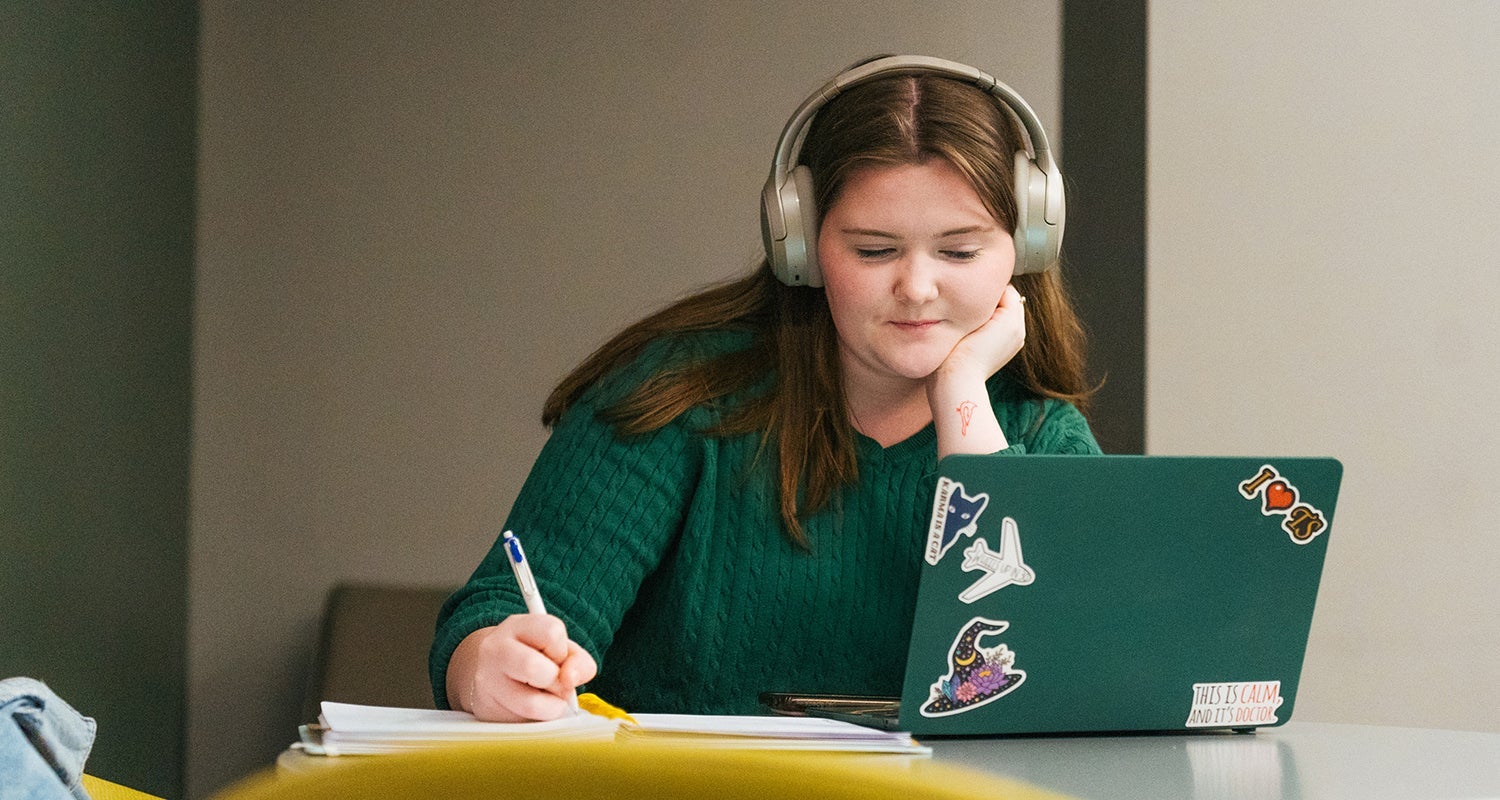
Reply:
x=523 y=669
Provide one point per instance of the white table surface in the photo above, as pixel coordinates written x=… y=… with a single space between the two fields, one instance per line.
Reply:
x=1296 y=761
x=1303 y=760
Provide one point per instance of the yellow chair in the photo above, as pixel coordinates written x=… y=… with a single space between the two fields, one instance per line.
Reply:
x=573 y=771
x=100 y=789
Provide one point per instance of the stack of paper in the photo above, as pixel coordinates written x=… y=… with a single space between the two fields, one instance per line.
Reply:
x=767 y=733
x=346 y=729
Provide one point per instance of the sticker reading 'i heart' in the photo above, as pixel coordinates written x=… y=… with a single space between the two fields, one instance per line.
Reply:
x=1279 y=496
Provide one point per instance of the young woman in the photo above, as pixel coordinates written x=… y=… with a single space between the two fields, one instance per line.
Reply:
x=736 y=489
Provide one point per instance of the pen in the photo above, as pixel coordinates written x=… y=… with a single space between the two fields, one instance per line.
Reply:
x=529 y=592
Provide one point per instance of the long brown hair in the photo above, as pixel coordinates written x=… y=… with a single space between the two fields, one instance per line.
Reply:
x=803 y=414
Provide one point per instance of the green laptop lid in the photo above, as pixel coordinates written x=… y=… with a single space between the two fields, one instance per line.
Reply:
x=1116 y=593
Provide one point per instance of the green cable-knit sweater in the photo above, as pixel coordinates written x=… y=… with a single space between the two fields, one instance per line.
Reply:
x=664 y=554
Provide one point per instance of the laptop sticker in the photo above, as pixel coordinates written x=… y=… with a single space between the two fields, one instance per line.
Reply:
x=1227 y=705
x=976 y=675
x=1002 y=568
x=1278 y=497
x=954 y=513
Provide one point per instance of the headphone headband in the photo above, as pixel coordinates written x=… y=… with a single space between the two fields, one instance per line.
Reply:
x=789 y=217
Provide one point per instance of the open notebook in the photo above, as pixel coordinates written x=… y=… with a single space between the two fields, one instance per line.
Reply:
x=347 y=729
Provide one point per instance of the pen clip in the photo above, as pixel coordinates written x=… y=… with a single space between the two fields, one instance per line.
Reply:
x=513 y=547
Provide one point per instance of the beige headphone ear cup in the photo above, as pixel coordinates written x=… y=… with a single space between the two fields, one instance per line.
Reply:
x=807 y=209
x=788 y=225
x=1030 y=208
x=1038 y=242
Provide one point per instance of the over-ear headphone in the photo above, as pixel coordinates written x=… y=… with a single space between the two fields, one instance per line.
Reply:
x=789 y=215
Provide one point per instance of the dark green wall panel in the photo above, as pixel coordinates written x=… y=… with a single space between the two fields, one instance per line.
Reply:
x=96 y=264
x=1104 y=164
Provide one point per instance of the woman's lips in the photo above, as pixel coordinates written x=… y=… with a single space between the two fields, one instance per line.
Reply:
x=914 y=325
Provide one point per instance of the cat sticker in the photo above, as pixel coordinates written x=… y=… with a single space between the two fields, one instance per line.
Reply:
x=954 y=513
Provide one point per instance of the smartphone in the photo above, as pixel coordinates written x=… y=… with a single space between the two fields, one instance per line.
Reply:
x=868 y=710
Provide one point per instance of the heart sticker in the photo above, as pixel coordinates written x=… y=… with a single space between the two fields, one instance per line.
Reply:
x=1279 y=496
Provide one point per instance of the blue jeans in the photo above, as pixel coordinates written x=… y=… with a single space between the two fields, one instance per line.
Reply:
x=43 y=743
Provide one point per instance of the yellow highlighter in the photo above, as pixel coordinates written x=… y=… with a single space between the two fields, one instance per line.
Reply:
x=599 y=707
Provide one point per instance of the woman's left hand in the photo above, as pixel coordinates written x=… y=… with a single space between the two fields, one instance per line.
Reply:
x=956 y=392
x=992 y=345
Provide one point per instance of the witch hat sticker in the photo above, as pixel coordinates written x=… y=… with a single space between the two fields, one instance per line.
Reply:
x=976 y=675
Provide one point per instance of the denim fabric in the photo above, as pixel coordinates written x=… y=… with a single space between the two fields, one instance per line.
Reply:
x=43 y=743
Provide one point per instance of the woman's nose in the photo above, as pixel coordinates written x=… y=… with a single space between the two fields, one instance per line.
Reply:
x=916 y=281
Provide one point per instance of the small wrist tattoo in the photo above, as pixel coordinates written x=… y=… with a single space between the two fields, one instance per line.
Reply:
x=965 y=415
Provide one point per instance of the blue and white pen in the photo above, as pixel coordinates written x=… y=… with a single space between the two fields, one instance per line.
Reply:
x=529 y=592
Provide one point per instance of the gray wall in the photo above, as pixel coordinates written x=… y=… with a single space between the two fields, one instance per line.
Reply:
x=1324 y=180
x=412 y=221
x=96 y=268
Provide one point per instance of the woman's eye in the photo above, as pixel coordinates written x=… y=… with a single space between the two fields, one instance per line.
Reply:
x=874 y=253
x=961 y=255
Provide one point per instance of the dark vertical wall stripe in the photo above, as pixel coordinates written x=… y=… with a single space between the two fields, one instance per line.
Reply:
x=96 y=264
x=1104 y=165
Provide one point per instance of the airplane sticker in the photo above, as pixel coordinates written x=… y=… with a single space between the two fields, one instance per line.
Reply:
x=1002 y=568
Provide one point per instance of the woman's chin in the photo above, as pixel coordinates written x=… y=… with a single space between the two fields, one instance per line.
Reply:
x=919 y=369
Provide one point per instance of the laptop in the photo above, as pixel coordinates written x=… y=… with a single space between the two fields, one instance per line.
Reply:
x=1066 y=594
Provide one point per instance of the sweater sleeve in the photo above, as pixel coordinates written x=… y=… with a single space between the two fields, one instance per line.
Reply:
x=596 y=514
x=1052 y=427
x=1063 y=431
